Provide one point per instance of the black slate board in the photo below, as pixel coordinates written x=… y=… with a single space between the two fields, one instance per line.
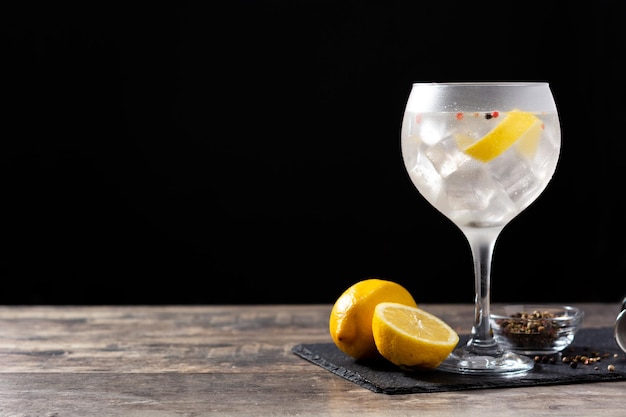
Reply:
x=382 y=376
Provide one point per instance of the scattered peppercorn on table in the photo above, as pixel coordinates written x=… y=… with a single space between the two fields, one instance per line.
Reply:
x=234 y=360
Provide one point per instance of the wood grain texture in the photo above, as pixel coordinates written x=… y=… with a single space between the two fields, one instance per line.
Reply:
x=231 y=361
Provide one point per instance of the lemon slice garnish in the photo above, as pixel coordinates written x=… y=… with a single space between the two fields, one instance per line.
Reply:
x=527 y=144
x=514 y=126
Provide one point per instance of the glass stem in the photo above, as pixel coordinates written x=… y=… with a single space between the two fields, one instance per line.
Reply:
x=482 y=243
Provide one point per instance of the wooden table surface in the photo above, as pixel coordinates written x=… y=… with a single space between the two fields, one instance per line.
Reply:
x=232 y=361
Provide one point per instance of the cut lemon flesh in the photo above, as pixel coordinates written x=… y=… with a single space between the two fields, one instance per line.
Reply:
x=514 y=126
x=409 y=336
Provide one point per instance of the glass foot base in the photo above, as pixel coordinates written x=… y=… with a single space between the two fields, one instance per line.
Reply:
x=464 y=361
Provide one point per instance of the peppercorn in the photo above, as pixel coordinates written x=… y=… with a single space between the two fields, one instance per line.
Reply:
x=530 y=330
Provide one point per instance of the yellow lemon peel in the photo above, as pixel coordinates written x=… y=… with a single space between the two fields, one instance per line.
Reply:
x=527 y=144
x=515 y=125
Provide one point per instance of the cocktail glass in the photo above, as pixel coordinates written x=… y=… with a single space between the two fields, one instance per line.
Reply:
x=480 y=153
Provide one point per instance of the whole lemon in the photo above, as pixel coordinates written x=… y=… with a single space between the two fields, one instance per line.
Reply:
x=350 y=320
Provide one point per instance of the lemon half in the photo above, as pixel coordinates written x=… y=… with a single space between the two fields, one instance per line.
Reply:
x=412 y=337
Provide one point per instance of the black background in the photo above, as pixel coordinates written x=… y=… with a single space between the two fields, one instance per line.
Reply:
x=248 y=152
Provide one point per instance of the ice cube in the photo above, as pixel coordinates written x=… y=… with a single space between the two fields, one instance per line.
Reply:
x=469 y=189
x=410 y=149
x=431 y=130
x=446 y=156
x=425 y=177
x=499 y=210
x=514 y=174
x=545 y=157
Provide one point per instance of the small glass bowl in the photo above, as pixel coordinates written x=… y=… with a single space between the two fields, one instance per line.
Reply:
x=535 y=329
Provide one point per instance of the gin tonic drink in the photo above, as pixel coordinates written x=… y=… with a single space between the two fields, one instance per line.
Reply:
x=480 y=153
